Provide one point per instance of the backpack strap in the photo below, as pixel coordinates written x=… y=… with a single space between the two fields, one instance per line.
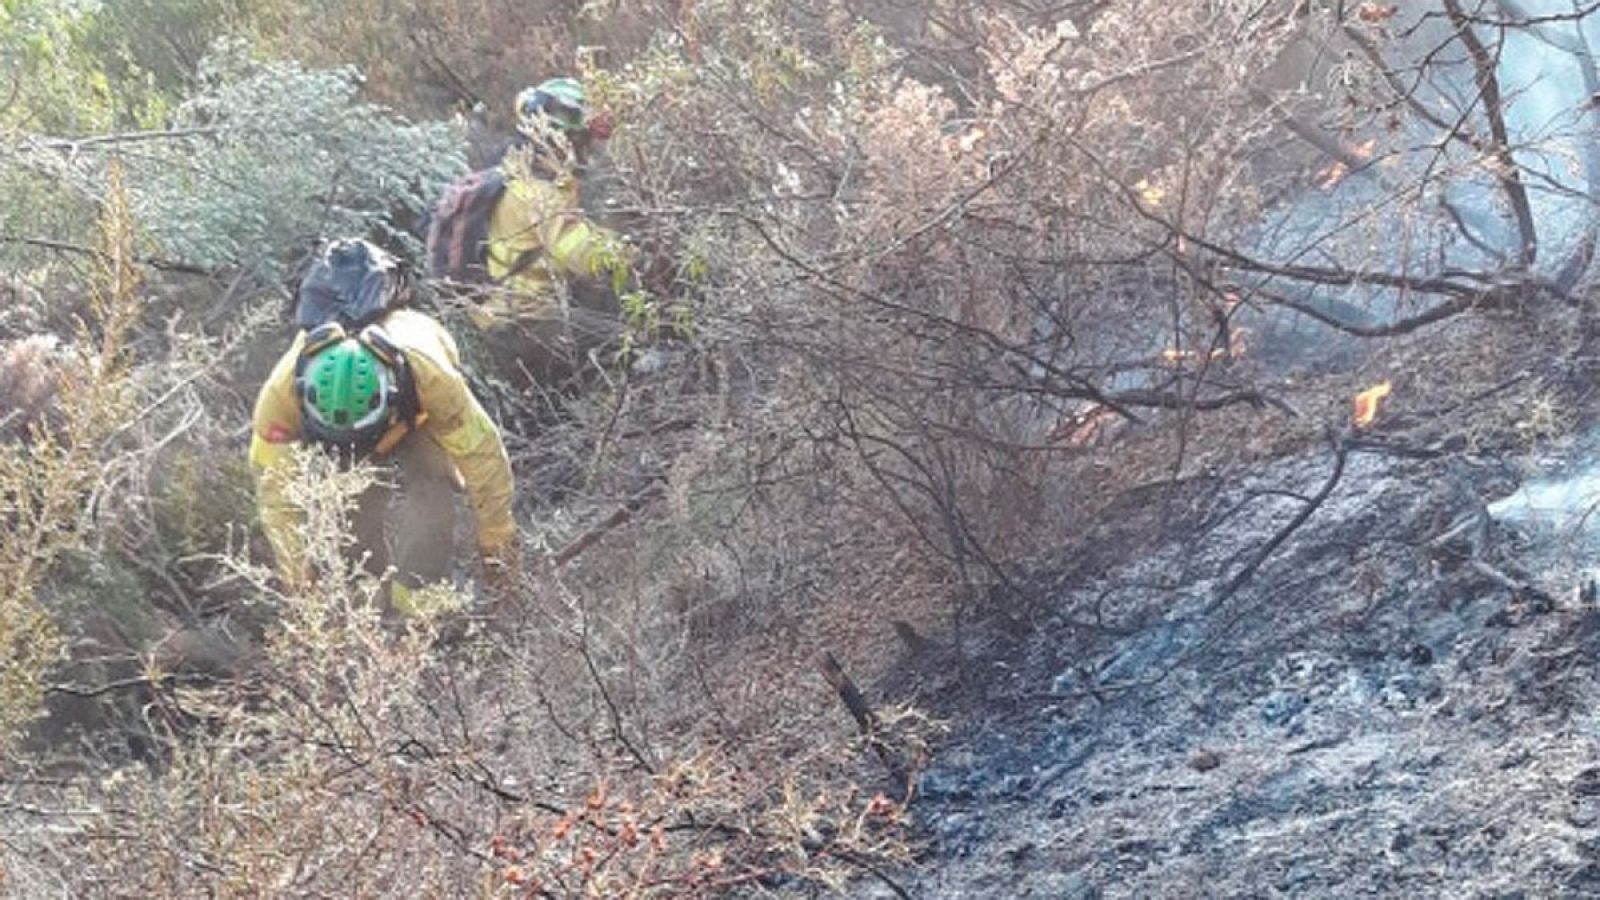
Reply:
x=408 y=405
x=323 y=335
x=528 y=257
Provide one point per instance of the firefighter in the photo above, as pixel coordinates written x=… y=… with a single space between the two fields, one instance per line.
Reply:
x=368 y=378
x=544 y=271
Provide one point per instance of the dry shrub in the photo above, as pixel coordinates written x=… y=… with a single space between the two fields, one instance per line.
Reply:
x=902 y=298
x=29 y=375
x=908 y=286
x=47 y=475
x=351 y=758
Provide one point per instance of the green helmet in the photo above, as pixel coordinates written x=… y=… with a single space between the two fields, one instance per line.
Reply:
x=346 y=390
x=563 y=101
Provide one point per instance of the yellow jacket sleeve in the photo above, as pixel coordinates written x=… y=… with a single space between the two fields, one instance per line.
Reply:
x=275 y=426
x=543 y=219
x=458 y=423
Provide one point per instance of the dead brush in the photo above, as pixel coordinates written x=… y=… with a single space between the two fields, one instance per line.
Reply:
x=47 y=477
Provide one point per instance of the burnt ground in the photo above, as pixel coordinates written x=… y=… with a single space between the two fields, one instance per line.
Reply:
x=1375 y=712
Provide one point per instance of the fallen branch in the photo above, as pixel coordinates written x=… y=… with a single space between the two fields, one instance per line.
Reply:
x=1507 y=173
x=618 y=517
x=1167 y=400
x=170 y=678
x=1340 y=452
x=1429 y=316
x=865 y=718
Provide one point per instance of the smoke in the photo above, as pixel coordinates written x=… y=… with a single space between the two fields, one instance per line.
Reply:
x=1435 y=205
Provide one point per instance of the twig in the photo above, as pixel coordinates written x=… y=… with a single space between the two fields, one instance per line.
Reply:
x=1508 y=174
x=165 y=265
x=617 y=518
x=1340 y=453
x=1428 y=316
x=1391 y=448
x=74 y=690
x=73 y=145
x=865 y=718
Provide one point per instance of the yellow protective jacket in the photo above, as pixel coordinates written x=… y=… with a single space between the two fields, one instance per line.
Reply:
x=454 y=420
x=538 y=238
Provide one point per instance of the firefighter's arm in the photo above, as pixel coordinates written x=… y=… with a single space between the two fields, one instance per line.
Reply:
x=581 y=248
x=275 y=426
x=459 y=424
x=574 y=244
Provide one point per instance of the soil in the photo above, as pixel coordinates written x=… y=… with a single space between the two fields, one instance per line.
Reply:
x=1390 y=705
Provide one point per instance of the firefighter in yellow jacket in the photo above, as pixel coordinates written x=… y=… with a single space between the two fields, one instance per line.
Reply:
x=385 y=384
x=550 y=265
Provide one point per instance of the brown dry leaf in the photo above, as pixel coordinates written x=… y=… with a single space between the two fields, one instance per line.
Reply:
x=1374 y=14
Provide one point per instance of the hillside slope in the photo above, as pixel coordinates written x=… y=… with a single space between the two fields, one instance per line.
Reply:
x=1375 y=713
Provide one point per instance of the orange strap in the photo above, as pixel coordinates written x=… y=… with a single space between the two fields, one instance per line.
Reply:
x=397 y=432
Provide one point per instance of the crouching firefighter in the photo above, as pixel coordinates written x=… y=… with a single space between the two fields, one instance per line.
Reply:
x=369 y=379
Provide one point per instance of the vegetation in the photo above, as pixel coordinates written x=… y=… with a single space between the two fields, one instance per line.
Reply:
x=919 y=288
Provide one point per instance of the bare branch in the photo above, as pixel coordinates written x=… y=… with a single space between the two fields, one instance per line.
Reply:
x=1507 y=172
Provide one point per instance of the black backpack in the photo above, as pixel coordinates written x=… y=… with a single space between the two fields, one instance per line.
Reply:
x=458 y=231
x=353 y=283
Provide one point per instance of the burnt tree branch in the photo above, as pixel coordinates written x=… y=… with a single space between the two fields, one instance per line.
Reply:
x=1428 y=317
x=1507 y=172
x=865 y=718
x=1341 y=452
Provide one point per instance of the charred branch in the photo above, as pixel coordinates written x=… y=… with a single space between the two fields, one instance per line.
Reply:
x=1431 y=316
x=1407 y=93
x=1522 y=19
x=1168 y=400
x=865 y=718
x=1576 y=43
x=1341 y=452
x=1507 y=172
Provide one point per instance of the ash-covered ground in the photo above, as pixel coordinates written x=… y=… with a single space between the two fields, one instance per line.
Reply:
x=1400 y=701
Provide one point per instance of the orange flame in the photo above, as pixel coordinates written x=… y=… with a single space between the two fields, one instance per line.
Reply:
x=1150 y=192
x=1236 y=342
x=1373 y=14
x=1365 y=409
x=1329 y=176
x=1086 y=428
x=1235 y=349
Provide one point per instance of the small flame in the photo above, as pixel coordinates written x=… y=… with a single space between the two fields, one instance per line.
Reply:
x=1236 y=342
x=1150 y=192
x=1329 y=176
x=972 y=138
x=1086 y=428
x=1373 y=14
x=1235 y=350
x=1365 y=409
